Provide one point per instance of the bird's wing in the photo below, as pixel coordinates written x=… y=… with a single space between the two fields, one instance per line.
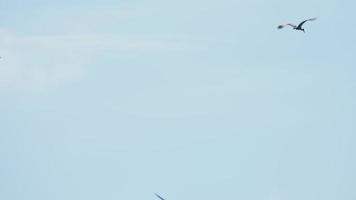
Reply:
x=282 y=26
x=292 y=25
x=301 y=23
x=159 y=196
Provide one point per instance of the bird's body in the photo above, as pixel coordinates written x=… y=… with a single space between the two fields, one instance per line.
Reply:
x=299 y=27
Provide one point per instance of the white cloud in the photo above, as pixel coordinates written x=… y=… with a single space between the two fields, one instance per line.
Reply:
x=37 y=62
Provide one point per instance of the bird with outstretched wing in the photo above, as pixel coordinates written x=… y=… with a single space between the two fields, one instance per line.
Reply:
x=299 y=27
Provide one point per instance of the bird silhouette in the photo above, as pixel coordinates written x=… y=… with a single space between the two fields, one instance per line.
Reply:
x=299 y=27
x=159 y=196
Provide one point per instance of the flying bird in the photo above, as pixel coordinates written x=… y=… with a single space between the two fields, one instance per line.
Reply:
x=159 y=196
x=299 y=27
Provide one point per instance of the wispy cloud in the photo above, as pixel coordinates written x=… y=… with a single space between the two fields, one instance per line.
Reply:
x=36 y=62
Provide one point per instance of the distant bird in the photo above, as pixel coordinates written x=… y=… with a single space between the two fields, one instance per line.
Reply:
x=299 y=27
x=159 y=196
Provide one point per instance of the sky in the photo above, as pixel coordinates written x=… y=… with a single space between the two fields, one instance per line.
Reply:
x=189 y=99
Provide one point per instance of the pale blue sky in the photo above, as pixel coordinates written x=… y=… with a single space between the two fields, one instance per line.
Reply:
x=190 y=99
